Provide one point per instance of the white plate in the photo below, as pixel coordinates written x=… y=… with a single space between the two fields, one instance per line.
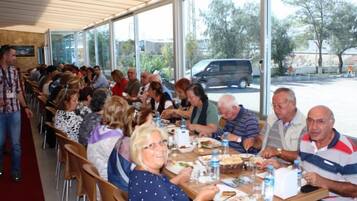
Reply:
x=187 y=149
x=223 y=187
x=214 y=143
x=246 y=156
x=176 y=166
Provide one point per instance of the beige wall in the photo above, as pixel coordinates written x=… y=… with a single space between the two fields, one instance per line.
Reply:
x=23 y=38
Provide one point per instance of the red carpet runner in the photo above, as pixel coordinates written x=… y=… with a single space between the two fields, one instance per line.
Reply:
x=29 y=188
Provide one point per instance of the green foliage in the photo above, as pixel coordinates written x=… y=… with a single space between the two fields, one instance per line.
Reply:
x=192 y=53
x=282 y=44
x=126 y=54
x=233 y=32
x=343 y=29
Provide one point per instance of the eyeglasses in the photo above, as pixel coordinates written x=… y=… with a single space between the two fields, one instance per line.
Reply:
x=152 y=146
x=281 y=105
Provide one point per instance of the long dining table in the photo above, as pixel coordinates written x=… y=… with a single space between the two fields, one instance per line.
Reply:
x=193 y=188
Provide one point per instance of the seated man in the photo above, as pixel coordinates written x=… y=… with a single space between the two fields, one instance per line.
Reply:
x=283 y=128
x=99 y=80
x=241 y=124
x=328 y=157
x=133 y=86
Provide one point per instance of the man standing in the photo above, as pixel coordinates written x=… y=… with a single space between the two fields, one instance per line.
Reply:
x=11 y=98
x=241 y=124
x=283 y=129
x=100 y=81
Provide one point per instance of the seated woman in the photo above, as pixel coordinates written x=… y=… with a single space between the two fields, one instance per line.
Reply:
x=204 y=118
x=184 y=109
x=85 y=97
x=66 y=119
x=91 y=120
x=104 y=136
x=148 y=150
x=159 y=101
x=120 y=83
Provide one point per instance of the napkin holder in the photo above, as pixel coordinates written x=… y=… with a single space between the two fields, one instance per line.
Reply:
x=182 y=138
x=286 y=184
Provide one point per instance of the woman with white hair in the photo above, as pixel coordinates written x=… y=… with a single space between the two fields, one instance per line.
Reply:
x=148 y=149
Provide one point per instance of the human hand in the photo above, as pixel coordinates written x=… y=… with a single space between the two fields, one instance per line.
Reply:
x=207 y=193
x=184 y=175
x=314 y=179
x=232 y=137
x=269 y=152
x=248 y=143
x=29 y=113
x=272 y=162
x=166 y=114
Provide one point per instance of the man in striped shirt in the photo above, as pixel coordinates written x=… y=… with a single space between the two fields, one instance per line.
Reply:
x=241 y=124
x=328 y=157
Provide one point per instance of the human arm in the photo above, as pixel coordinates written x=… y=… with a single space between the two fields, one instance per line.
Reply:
x=345 y=189
x=24 y=105
x=182 y=177
x=207 y=193
x=203 y=130
x=270 y=152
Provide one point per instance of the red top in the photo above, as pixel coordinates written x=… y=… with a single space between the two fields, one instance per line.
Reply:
x=119 y=87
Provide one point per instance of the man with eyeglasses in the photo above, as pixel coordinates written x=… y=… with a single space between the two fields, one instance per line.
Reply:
x=328 y=157
x=241 y=124
x=283 y=128
x=133 y=86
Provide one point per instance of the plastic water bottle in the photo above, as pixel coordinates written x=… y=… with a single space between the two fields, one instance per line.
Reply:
x=214 y=163
x=268 y=190
x=183 y=128
x=183 y=123
x=299 y=172
x=225 y=143
x=157 y=119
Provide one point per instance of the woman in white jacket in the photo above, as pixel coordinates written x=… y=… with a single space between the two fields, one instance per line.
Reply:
x=105 y=135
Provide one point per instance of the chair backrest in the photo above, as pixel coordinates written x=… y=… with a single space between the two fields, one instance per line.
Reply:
x=76 y=160
x=106 y=189
x=42 y=100
x=89 y=175
x=55 y=130
x=51 y=110
x=120 y=195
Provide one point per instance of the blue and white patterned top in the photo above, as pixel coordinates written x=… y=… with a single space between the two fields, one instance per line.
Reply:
x=145 y=186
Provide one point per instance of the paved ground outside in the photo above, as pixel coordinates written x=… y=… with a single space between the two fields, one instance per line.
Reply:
x=337 y=93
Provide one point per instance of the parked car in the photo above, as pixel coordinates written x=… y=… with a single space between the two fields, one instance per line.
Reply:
x=222 y=72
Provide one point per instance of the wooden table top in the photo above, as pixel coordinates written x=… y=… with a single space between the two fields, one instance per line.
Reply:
x=192 y=188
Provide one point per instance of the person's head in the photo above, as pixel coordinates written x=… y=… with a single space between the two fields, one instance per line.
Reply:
x=228 y=107
x=51 y=70
x=86 y=94
x=96 y=70
x=144 y=116
x=284 y=104
x=181 y=87
x=196 y=95
x=131 y=74
x=83 y=70
x=8 y=54
x=116 y=115
x=155 y=90
x=320 y=121
x=90 y=72
x=148 y=147
x=144 y=78
x=117 y=75
x=98 y=99
x=155 y=78
x=67 y=99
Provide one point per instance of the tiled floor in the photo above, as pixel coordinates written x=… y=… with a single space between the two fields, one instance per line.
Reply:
x=47 y=163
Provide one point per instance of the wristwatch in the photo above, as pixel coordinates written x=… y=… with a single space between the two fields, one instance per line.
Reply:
x=279 y=151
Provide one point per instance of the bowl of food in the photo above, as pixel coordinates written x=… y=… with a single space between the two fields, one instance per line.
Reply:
x=186 y=148
x=208 y=143
x=231 y=163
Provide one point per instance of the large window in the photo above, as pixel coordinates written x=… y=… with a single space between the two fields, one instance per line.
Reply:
x=91 y=47
x=222 y=48
x=156 y=41
x=80 y=49
x=313 y=58
x=124 y=44
x=103 y=47
x=63 y=44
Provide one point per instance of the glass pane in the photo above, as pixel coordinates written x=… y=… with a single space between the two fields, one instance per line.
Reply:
x=91 y=47
x=80 y=49
x=103 y=48
x=318 y=65
x=124 y=44
x=63 y=47
x=222 y=48
x=156 y=41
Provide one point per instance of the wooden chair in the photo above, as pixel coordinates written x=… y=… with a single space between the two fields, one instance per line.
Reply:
x=68 y=173
x=119 y=195
x=106 y=189
x=89 y=181
x=77 y=157
x=42 y=103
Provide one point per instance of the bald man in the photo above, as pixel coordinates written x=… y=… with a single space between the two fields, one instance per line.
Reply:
x=328 y=157
x=241 y=124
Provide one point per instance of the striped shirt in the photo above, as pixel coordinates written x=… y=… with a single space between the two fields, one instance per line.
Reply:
x=9 y=88
x=244 y=125
x=337 y=161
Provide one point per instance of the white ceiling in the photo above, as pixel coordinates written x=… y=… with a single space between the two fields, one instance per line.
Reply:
x=40 y=15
